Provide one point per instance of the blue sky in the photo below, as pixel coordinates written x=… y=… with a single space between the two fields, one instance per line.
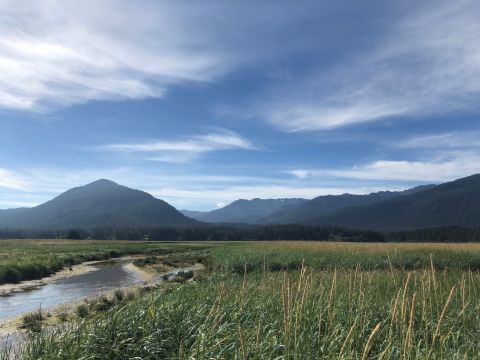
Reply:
x=202 y=103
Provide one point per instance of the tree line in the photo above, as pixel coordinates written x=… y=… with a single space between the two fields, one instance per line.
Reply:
x=253 y=233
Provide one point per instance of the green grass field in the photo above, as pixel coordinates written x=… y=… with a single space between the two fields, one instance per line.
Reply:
x=33 y=259
x=294 y=300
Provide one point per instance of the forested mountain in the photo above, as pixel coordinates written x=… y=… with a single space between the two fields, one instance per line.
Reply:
x=106 y=204
x=455 y=203
x=329 y=204
x=246 y=211
x=101 y=203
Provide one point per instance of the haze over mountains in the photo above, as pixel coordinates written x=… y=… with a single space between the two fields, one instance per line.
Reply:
x=104 y=203
x=455 y=203
x=254 y=211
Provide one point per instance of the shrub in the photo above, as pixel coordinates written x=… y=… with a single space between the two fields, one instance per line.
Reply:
x=82 y=310
x=63 y=316
x=130 y=295
x=103 y=303
x=119 y=294
x=33 y=321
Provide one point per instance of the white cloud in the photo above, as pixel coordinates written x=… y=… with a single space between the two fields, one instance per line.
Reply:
x=11 y=180
x=192 y=191
x=57 y=53
x=185 y=149
x=428 y=64
x=299 y=173
x=447 y=168
x=206 y=195
x=440 y=141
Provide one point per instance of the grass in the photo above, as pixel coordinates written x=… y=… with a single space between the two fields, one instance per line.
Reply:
x=417 y=301
x=284 y=256
x=22 y=260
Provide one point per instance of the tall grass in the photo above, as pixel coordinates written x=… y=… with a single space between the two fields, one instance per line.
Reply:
x=343 y=313
x=290 y=255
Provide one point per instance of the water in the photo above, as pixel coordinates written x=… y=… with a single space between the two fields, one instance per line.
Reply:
x=61 y=291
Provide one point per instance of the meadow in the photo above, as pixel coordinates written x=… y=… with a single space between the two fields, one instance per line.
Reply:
x=22 y=260
x=294 y=300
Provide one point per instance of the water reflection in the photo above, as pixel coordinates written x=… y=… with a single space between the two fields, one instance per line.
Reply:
x=106 y=277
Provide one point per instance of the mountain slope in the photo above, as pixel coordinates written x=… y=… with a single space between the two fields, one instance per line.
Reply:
x=328 y=204
x=101 y=203
x=449 y=204
x=246 y=211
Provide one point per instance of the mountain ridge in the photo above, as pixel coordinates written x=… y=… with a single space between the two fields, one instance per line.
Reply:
x=455 y=203
x=102 y=203
x=245 y=211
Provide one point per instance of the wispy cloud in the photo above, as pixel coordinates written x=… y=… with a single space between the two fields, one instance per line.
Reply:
x=442 y=141
x=186 y=149
x=58 y=53
x=11 y=180
x=299 y=173
x=195 y=196
x=427 y=64
x=192 y=191
x=446 y=167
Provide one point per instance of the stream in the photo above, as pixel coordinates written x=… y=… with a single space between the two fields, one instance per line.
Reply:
x=108 y=276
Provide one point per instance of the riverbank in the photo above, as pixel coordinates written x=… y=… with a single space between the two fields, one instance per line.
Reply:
x=26 y=260
x=11 y=330
x=83 y=268
x=293 y=300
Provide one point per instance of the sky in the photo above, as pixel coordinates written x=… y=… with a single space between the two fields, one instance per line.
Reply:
x=201 y=103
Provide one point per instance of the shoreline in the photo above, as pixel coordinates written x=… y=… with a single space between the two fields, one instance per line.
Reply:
x=10 y=328
x=79 y=269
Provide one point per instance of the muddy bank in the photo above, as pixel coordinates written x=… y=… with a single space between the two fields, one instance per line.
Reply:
x=83 y=268
x=11 y=331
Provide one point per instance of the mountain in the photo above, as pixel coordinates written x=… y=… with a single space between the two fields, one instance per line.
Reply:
x=328 y=204
x=246 y=211
x=455 y=203
x=193 y=214
x=102 y=203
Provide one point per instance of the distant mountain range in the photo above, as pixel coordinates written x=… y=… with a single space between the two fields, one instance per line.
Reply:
x=254 y=211
x=289 y=211
x=455 y=203
x=104 y=203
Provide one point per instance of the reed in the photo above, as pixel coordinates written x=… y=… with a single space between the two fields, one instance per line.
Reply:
x=304 y=313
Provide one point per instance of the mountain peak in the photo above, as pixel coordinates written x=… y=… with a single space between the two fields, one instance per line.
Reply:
x=102 y=183
x=102 y=203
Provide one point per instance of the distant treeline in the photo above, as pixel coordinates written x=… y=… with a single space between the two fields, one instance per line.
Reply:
x=437 y=234
x=214 y=233
x=255 y=233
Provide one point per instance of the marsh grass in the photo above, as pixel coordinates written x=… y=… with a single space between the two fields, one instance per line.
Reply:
x=291 y=255
x=22 y=260
x=33 y=321
x=348 y=312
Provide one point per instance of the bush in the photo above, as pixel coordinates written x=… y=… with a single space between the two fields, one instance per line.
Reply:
x=10 y=275
x=103 y=303
x=63 y=316
x=33 y=321
x=82 y=310
x=130 y=295
x=119 y=294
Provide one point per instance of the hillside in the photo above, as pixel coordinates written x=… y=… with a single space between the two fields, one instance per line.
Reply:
x=102 y=203
x=328 y=204
x=453 y=203
x=246 y=211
